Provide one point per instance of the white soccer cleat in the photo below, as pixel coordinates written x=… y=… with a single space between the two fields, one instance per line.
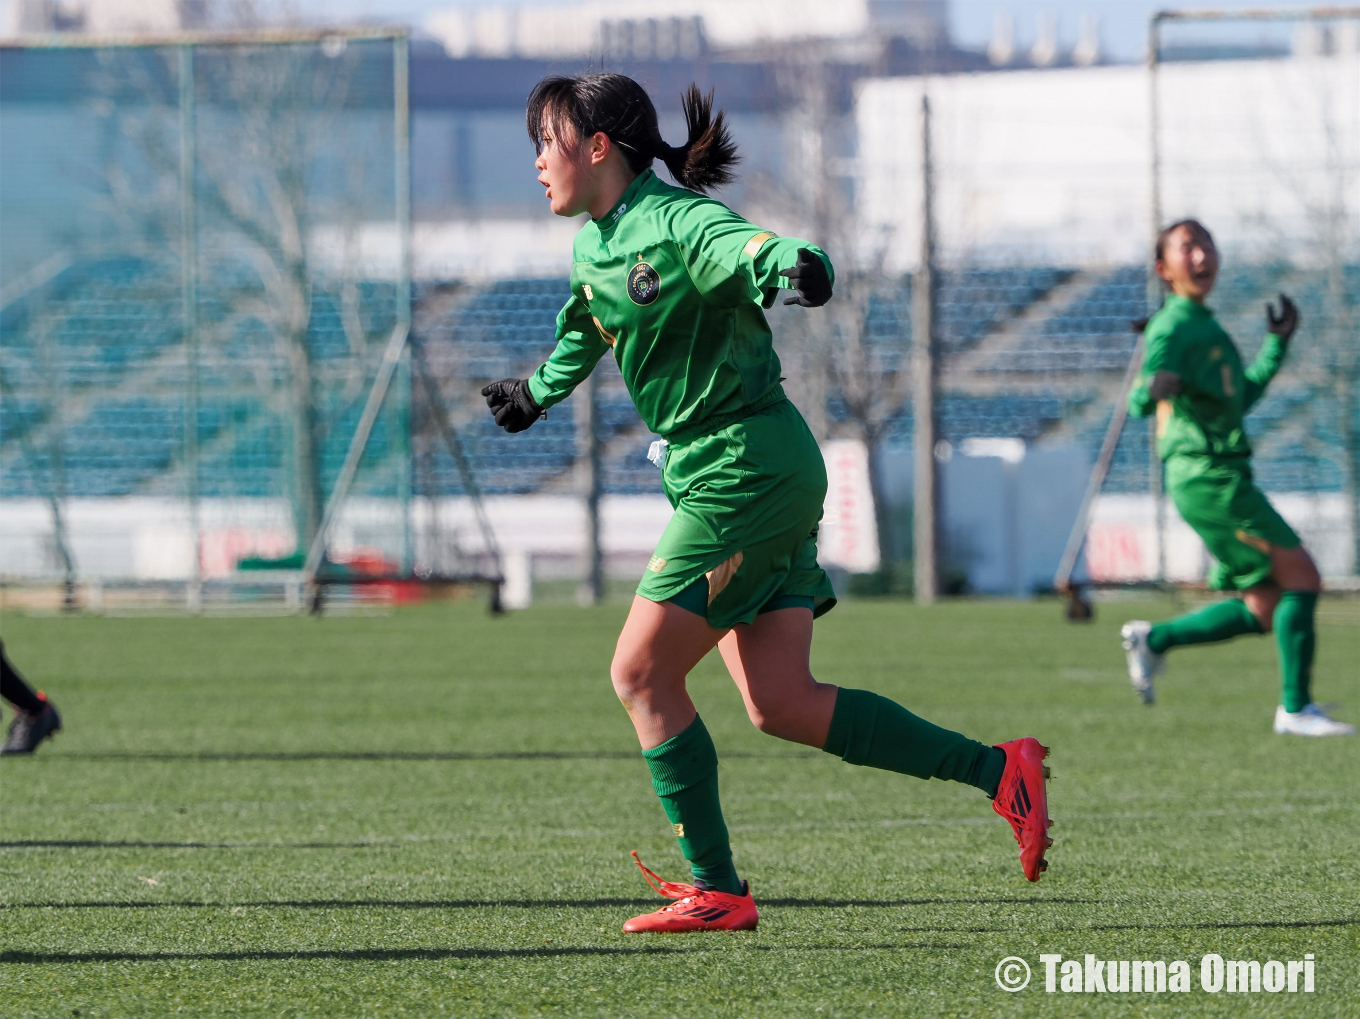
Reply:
x=1310 y=721
x=1144 y=663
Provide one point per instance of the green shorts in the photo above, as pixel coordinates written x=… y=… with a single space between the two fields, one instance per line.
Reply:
x=747 y=501
x=1231 y=515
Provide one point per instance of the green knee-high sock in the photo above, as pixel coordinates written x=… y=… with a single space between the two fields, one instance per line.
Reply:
x=1222 y=620
x=874 y=731
x=1293 y=622
x=685 y=776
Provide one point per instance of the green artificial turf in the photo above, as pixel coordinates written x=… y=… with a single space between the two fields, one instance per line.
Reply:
x=431 y=814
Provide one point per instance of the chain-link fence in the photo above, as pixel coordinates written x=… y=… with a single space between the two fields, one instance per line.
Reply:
x=191 y=320
x=205 y=256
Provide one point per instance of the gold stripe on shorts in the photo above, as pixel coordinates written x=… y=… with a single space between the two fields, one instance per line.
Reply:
x=1260 y=544
x=721 y=575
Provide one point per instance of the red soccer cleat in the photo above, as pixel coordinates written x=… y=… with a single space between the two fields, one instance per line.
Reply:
x=698 y=909
x=1022 y=799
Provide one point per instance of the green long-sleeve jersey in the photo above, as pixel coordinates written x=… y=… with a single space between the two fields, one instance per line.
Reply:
x=1205 y=418
x=675 y=284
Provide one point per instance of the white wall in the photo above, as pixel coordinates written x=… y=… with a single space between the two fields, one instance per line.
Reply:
x=149 y=539
x=1054 y=166
x=1122 y=542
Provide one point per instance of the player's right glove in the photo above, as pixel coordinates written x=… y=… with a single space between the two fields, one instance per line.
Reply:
x=1283 y=324
x=1164 y=385
x=513 y=407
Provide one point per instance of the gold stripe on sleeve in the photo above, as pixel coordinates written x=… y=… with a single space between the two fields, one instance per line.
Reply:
x=756 y=243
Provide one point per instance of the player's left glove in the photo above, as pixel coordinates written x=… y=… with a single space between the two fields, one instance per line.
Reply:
x=1284 y=323
x=810 y=278
x=511 y=404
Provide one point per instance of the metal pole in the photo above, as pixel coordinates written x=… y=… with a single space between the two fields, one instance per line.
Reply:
x=459 y=454
x=591 y=590
x=1062 y=581
x=1154 y=284
x=401 y=87
x=926 y=571
x=396 y=347
x=189 y=294
x=396 y=344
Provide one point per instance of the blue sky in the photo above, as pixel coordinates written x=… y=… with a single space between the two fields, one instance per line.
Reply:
x=1123 y=22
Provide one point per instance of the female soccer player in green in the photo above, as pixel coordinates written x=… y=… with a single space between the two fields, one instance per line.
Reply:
x=673 y=284
x=1193 y=378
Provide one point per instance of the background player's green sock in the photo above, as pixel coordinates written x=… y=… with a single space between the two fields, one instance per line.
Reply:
x=873 y=731
x=1220 y=621
x=1293 y=622
x=685 y=776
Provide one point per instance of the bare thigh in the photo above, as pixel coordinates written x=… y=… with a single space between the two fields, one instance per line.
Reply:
x=1291 y=569
x=769 y=662
x=659 y=645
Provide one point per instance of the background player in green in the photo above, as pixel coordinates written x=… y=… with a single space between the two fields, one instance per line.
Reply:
x=673 y=284
x=1193 y=378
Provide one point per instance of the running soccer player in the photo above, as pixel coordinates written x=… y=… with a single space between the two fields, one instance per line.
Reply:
x=673 y=285
x=35 y=718
x=1192 y=376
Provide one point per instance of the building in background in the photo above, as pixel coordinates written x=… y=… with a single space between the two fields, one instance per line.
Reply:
x=682 y=29
x=105 y=17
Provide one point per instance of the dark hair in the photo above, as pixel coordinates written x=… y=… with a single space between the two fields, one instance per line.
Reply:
x=1194 y=225
x=618 y=106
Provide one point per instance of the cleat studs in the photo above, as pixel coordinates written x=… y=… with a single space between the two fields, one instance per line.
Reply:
x=1047 y=773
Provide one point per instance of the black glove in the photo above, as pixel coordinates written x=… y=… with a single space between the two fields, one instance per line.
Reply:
x=1283 y=324
x=1163 y=385
x=809 y=277
x=511 y=404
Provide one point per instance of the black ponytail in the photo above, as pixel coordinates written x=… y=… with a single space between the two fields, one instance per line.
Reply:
x=618 y=106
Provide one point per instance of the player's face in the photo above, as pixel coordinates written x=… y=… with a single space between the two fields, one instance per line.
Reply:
x=1189 y=263
x=566 y=170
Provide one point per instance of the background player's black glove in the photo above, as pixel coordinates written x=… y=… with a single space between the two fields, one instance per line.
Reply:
x=810 y=278
x=511 y=404
x=1163 y=385
x=1283 y=324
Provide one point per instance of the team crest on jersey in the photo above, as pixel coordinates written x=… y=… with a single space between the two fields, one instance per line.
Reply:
x=644 y=285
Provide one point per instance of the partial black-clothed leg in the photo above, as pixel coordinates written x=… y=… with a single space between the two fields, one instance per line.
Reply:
x=14 y=689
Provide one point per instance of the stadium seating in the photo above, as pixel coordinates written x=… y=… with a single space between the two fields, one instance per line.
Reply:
x=102 y=343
